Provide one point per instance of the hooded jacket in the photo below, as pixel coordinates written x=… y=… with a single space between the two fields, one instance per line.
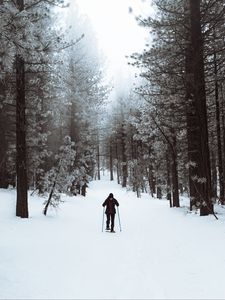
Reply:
x=110 y=205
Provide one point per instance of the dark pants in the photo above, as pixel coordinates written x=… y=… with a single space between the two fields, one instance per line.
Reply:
x=110 y=217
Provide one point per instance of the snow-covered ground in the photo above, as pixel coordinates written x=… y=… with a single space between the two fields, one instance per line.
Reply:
x=161 y=253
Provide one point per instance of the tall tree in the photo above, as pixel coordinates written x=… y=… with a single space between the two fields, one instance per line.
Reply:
x=197 y=81
x=21 y=163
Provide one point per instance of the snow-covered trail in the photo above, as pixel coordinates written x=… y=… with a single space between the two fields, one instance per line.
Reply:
x=161 y=253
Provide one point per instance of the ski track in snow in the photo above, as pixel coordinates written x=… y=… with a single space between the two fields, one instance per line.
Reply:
x=161 y=253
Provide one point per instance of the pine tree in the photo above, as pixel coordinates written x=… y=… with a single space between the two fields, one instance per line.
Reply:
x=21 y=159
x=59 y=179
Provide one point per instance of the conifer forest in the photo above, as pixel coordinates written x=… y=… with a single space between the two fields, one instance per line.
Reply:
x=59 y=129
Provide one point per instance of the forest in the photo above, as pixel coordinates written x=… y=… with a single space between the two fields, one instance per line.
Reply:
x=58 y=129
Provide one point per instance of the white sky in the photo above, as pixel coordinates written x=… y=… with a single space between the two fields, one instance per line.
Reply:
x=117 y=31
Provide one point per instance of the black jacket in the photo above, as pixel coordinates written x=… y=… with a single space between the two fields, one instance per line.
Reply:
x=110 y=205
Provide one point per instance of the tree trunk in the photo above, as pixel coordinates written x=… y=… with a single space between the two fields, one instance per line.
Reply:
x=83 y=189
x=117 y=165
x=124 y=161
x=174 y=172
x=168 y=179
x=158 y=191
x=197 y=76
x=176 y=200
x=151 y=180
x=49 y=199
x=111 y=161
x=214 y=176
x=223 y=125
x=4 y=180
x=218 y=133
x=21 y=166
x=98 y=161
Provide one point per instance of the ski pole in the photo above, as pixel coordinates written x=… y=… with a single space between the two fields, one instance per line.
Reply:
x=119 y=218
x=103 y=219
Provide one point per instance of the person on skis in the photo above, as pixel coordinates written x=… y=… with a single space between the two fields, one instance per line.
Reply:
x=110 y=211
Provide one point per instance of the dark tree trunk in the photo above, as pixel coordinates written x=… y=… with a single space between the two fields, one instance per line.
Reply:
x=151 y=179
x=4 y=181
x=124 y=161
x=111 y=160
x=176 y=201
x=78 y=188
x=21 y=167
x=223 y=125
x=168 y=179
x=83 y=189
x=117 y=165
x=192 y=133
x=98 y=162
x=218 y=132
x=159 y=192
x=49 y=199
x=4 y=176
x=175 y=184
x=197 y=80
x=214 y=176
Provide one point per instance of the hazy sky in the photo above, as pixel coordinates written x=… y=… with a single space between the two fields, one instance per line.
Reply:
x=117 y=31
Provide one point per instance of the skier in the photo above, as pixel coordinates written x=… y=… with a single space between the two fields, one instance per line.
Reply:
x=110 y=211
